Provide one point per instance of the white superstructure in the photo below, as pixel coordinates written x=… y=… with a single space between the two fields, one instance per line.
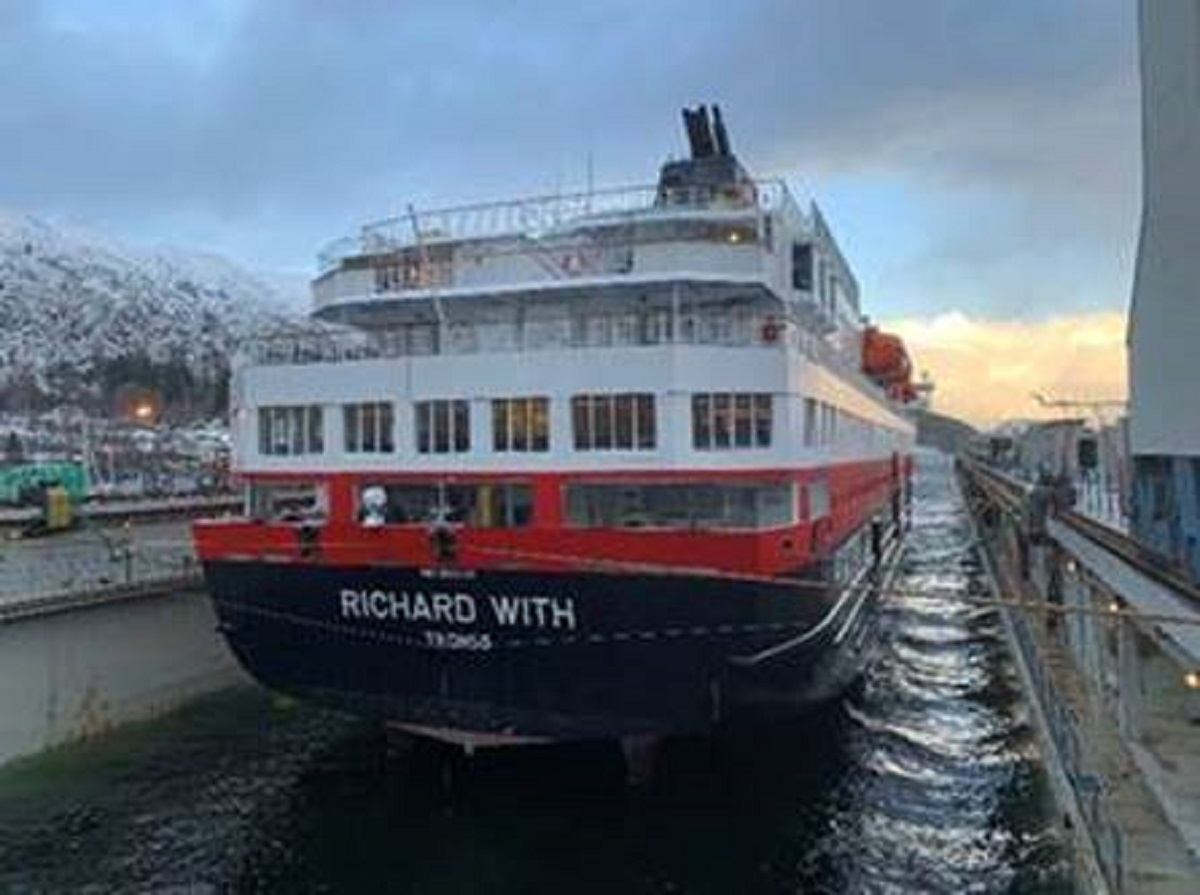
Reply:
x=638 y=290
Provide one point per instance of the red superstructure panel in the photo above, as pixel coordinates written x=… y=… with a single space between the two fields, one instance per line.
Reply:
x=857 y=492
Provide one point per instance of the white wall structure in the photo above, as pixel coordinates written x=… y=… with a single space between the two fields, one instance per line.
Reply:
x=673 y=373
x=76 y=670
x=1164 y=323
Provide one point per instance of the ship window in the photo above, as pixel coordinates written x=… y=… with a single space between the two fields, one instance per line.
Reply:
x=716 y=327
x=646 y=429
x=487 y=505
x=287 y=431
x=802 y=266
x=415 y=269
x=443 y=427
x=763 y=420
x=722 y=405
x=388 y=278
x=475 y=504
x=821 y=423
x=657 y=325
x=738 y=234
x=701 y=421
x=410 y=503
x=461 y=422
x=602 y=422
x=679 y=506
x=743 y=421
x=721 y=421
x=368 y=428
x=287 y=501
x=626 y=329
x=521 y=424
x=595 y=330
x=818 y=500
x=622 y=422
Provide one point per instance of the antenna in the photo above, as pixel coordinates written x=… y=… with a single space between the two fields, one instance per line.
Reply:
x=591 y=180
x=426 y=269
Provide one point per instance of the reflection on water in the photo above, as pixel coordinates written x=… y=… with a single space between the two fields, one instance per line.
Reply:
x=924 y=779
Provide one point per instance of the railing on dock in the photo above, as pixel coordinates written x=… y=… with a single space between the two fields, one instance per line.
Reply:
x=1015 y=494
x=109 y=555
x=88 y=565
x=141 y=510
x=1063 y=727
x=1107 y=635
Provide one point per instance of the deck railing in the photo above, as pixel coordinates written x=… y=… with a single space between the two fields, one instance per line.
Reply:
x=540 y=216
x=337 y=346
x=328 y=346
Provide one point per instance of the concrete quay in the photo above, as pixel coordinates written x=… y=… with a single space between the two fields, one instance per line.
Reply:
x=101 y=628
x=140 y=509
x=1110 y=676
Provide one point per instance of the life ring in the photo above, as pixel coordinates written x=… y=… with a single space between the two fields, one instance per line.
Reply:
x=770 y=332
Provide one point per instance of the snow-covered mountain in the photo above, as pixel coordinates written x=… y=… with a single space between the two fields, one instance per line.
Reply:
x=72 y=304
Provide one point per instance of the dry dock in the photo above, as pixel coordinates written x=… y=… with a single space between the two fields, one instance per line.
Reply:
x=98 y=628
x=926 y=778
x=1107 y=641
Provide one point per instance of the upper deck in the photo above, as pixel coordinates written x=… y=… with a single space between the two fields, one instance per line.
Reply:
x=752 y=237
x=546 y=217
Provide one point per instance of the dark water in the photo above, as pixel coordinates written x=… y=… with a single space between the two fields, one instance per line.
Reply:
x=925 y=779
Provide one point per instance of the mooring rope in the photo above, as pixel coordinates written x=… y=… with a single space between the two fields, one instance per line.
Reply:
x=1117 y=610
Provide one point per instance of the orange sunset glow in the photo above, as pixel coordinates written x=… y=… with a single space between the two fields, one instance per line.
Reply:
x=986 y=370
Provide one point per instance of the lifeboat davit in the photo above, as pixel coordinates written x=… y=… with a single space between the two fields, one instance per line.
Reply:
x=886 y=361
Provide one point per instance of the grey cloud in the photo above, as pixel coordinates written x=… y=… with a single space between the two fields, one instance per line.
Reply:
x=311 y=116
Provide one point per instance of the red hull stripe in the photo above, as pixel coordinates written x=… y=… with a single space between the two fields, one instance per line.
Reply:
x=857 y=492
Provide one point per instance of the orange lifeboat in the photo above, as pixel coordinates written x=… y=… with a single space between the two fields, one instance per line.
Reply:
x=886 y=360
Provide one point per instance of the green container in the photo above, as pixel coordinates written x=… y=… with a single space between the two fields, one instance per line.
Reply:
x=18 y=482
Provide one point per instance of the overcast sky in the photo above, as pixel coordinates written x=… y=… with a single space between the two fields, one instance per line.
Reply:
x=976 y=158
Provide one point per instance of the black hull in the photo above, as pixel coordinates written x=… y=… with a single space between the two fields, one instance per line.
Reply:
x=545 y=655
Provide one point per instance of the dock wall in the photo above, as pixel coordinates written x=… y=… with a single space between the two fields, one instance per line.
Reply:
x=1106 y=675
x=74 y=666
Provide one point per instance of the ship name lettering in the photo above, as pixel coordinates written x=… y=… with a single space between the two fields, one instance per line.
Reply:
x=387 y=605
x=461 y=609
x=534 y=612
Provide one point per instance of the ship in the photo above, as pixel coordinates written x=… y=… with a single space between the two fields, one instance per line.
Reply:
x=628 y=463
